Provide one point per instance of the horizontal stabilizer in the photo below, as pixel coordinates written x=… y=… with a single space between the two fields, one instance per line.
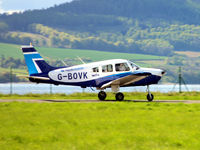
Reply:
x=34 y=77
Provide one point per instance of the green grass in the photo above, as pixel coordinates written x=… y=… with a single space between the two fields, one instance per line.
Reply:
x=98 y=126
x=110 y=96
x=58 y=53
x=10 y=50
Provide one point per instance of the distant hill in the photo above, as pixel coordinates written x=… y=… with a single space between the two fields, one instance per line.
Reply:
x=80 y=13
x=174 y=10
x=133 y=26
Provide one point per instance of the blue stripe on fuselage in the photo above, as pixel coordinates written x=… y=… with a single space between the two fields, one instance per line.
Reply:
x=153 y=79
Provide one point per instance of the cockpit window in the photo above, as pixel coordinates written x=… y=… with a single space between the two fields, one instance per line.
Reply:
x=134 y=66
x=96 y=69
x=107 y=68
x=122 y=67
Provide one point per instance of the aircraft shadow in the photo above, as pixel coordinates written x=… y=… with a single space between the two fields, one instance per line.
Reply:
x=107 y=101
x=90 y=101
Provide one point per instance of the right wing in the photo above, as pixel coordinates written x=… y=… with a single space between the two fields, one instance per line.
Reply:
x=123 y=81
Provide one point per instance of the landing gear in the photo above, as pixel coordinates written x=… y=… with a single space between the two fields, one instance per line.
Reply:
x=102 y=95
x=119 y=96
x=150 y=96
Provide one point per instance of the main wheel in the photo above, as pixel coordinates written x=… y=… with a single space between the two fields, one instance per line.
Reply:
x=119 y=96
x=102 y=95
x=150 y=97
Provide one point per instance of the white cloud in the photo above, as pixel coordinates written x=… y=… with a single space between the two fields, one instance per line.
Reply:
x=11 y=6
x=26 y=4
x=7 y=11
x=1 y=9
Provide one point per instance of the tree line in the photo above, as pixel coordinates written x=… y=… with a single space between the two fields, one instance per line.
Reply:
x=149 y=40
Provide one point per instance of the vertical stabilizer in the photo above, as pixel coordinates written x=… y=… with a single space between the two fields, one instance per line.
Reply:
x=34 y=61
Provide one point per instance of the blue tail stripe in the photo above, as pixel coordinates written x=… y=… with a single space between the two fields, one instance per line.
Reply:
x=29 y=61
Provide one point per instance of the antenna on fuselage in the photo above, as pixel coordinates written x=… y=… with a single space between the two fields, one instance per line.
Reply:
x=63 y=62
x=81 y=59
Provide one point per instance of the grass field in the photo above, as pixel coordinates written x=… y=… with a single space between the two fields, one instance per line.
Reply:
x=12 y=50
x=110 y=96
x=58 y=53
x=99 y=126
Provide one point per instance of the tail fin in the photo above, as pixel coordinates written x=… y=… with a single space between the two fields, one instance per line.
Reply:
x=34 y=61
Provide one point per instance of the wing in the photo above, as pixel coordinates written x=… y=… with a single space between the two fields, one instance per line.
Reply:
x=123 y=81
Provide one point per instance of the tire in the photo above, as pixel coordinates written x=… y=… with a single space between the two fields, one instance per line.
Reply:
x=119 y=96
x=102 y=95
x=150 y=97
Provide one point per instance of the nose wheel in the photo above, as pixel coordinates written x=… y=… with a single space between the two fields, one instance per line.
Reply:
x=150 y=96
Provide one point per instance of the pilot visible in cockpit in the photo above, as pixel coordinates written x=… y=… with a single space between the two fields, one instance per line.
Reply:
x=120 y=67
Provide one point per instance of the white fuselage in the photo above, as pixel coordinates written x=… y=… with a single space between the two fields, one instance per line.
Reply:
x=86 y=72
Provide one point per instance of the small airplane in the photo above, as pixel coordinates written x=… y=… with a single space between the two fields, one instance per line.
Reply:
x=112 y=74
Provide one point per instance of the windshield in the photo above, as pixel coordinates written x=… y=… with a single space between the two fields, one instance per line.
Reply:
x=122 y=67
x=134 y=66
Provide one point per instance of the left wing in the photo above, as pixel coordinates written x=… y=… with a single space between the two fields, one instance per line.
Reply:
x=136 y=76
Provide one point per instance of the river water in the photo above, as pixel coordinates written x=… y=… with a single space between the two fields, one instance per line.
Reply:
x=24 y=88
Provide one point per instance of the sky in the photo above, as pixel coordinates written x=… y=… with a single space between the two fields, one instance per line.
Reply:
x=20 y=5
